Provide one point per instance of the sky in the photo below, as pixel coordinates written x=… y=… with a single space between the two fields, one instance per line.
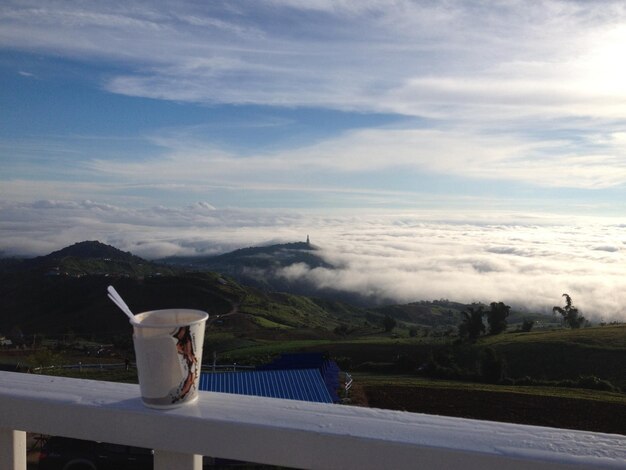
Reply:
x=471 y=150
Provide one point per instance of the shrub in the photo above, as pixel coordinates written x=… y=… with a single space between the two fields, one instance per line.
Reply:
x=383 y=367
x=342 y=330
x=526 y=380
x=406 y=363
x=527 y=325
x=594 y=383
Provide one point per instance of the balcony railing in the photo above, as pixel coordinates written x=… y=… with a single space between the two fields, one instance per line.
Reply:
x=283 y=432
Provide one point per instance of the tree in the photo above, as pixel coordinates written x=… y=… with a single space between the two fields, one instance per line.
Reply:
x=569 y=313
x=492 y=366
x=472 y=325
x=527 y=325
x=496 y=317
x=389 y=323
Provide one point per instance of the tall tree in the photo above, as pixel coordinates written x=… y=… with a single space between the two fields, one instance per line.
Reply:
x=389 y=323
x=496 y=317
x=569 y=313
x=472 y=324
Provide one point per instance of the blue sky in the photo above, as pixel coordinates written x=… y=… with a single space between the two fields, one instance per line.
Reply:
x=266 y=114
x=282 y=103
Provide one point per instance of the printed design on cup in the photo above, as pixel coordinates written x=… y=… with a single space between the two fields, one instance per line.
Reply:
x=185 y=347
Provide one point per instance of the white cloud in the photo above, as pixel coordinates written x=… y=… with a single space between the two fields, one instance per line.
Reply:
x=555 y=162
x=446 y=59
x=400 y=257
x=533 y=266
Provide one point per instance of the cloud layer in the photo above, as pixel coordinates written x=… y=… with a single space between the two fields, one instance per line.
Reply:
x=526 y=92
x=434 y=59
x=400 y=257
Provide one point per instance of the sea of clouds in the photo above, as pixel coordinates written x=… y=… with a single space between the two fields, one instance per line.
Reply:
x=524 y=260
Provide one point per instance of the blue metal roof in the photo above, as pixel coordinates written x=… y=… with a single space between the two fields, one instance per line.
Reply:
x=291 y=384
x=310 y=360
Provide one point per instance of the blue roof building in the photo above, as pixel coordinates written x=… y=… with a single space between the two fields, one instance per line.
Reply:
x=306 y=377
x=292 y=384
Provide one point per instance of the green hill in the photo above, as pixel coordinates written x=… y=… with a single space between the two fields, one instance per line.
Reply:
x=54 y=304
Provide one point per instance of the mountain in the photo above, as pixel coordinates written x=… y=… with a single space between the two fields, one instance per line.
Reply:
x=66 y=291
x=262 y=266
x=91 y=249
x=270 y=257
x=86 y=258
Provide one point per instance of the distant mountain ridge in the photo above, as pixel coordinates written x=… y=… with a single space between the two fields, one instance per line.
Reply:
x=92 y=249
x=271 y=256
x=86 y=258
x=66 y=290
x=263 y=267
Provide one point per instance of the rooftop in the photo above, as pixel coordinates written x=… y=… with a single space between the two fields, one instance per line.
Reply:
x=290 y=384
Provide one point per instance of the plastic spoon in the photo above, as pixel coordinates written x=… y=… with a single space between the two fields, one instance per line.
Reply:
x=117 y=300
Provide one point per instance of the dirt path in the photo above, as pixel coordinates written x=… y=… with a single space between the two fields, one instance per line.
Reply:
x=233 y=311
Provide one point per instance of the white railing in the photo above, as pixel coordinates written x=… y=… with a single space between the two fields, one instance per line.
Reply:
x=283 y=432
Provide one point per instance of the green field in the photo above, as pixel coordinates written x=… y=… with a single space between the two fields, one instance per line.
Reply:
x=565 y=354
x=395 y=380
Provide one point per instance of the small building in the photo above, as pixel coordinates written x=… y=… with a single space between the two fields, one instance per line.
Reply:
x=305 y=377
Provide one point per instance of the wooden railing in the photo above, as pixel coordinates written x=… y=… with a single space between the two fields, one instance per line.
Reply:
x=283 y=432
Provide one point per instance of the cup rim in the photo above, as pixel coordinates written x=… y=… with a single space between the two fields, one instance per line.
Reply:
x=203 y=316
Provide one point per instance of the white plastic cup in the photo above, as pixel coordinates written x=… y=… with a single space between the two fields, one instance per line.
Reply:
x=168 y=350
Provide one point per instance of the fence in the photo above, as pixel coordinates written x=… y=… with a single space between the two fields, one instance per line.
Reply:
x=283 y=432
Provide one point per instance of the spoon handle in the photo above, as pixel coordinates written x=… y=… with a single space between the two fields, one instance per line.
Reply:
x=117 y=300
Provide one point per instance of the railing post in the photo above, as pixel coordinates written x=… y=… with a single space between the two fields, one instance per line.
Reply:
x=176 y=461
x=12 y=449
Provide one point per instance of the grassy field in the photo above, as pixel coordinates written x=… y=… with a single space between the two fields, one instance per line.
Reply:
x=564 y=354
x=408 y=381
x=604 y=337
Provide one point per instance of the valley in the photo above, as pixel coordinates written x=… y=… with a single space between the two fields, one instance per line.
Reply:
x=55 y=312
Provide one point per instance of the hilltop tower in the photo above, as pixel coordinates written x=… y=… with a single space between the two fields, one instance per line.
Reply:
x=308 y=241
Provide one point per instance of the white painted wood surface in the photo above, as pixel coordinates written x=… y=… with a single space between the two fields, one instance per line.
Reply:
x=164 y=460
x=293 y=433
x=12 y=449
